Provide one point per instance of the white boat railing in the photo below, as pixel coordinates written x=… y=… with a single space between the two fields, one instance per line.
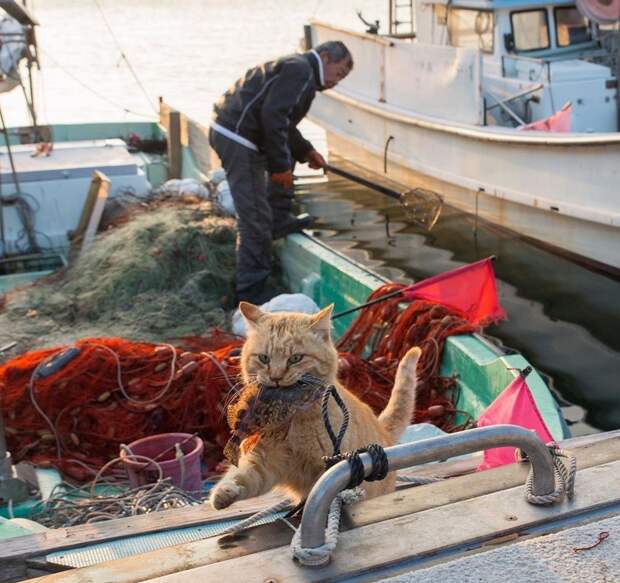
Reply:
x=543 y=74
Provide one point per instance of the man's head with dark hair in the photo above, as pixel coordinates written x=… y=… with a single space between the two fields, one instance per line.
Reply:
x=337 y=61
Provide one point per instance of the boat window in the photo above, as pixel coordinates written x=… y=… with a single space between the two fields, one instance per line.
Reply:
x=571 y=27
x=471 y=29
x=530 y=30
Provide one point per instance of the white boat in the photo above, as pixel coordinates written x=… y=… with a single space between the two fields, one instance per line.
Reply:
x=447 y=107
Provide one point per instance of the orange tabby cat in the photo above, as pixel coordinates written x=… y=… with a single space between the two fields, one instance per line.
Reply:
x=279 y=349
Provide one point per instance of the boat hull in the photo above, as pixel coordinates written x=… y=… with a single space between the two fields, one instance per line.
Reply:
x=559 y=193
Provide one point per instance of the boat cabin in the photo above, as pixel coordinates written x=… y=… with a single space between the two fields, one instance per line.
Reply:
x=549 y=30
x=536 y=57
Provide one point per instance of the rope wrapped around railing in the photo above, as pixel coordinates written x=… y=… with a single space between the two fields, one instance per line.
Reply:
x=317 y=556
x=564 y=471
x=552 y=477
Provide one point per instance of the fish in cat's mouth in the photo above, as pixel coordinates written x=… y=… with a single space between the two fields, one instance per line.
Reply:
x=261 y=407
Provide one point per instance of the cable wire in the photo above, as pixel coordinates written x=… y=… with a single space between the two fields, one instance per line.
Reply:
x=124 y=56
x=94 y=91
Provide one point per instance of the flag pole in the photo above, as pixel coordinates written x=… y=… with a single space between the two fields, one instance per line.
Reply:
x=370 y=303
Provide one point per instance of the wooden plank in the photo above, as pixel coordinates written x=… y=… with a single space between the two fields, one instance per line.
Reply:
x=175 y=154
x=420 y=535
x=100 y=184
x=82 y=237
x=175 y=124
x=399 y=504
x=164 y=112
x=172 y=559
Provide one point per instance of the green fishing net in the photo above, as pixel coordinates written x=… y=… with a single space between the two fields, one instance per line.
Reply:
x=166 y=272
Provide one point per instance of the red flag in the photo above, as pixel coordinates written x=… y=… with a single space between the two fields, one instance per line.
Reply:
x=470 y=289
x=514 y=405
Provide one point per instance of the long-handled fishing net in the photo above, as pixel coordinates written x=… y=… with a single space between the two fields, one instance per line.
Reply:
x=422 y=206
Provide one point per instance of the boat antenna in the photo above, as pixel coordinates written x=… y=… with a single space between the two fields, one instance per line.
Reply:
x=372 y=28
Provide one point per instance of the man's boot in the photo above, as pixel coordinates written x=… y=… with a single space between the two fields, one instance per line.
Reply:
x=293 y=224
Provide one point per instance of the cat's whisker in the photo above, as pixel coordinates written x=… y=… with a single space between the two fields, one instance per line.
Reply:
x=232 y=395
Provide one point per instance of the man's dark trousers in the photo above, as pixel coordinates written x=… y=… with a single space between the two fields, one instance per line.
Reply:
x=260 y=209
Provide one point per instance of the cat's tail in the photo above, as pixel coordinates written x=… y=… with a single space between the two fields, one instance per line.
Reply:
x=398 y=412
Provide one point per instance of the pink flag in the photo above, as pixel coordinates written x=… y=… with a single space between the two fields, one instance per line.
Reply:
x=558 y=122
x=516 y=406
x=470 y=289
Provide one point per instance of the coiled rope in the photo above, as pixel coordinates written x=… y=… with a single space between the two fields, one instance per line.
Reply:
x=564 y=471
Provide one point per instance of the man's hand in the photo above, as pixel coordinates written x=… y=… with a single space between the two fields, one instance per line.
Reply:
x=284 y=179
x=315 y=160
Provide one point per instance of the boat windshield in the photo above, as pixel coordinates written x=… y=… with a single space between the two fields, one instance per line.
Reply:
x=471 y=28
x=530 y=30
x=571 y=27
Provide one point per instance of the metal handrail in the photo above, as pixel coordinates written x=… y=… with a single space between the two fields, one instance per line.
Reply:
x=334 y=480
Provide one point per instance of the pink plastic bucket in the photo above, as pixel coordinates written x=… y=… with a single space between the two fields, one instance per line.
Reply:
x=184 y=472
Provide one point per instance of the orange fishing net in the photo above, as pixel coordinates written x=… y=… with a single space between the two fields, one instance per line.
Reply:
x=74 y=408
x=114 y=391
x=373 y=345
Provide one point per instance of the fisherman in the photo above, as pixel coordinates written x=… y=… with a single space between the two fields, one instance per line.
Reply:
x=254 y=133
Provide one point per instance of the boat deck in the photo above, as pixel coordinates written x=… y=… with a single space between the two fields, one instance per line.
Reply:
x=585 y=553
x=413 y=529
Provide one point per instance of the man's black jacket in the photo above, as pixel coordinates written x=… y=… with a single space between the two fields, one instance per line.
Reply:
x=268 y=102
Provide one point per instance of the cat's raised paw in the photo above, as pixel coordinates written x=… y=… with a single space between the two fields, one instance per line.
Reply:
x=412 y=356
x=224 y=494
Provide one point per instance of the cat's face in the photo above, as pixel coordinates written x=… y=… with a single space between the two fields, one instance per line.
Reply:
x=281 y=347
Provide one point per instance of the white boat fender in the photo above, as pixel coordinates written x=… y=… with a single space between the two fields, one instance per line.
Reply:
x=186 y=186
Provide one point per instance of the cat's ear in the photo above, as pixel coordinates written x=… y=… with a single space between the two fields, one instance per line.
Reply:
x=321 y=321
x=251 y=314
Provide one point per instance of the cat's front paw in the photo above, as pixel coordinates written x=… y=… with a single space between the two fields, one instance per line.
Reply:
x=224 y=494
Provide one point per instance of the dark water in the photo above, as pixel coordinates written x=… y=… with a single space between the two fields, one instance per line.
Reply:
x=563 y=318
